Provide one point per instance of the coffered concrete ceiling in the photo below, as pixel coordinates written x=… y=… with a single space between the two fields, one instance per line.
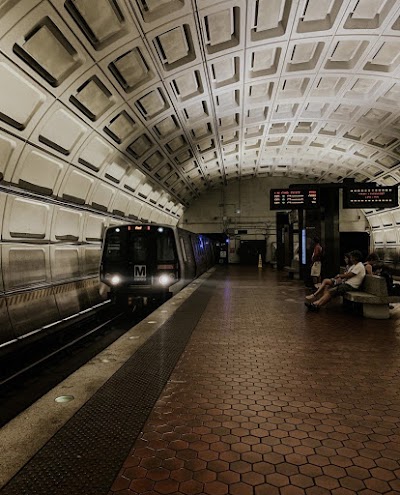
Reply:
x=161 y=100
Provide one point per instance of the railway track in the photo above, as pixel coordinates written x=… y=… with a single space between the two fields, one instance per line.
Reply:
x=31 y=372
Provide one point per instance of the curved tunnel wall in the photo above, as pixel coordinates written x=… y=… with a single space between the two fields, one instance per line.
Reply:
x=64 y=169
x=385 y=233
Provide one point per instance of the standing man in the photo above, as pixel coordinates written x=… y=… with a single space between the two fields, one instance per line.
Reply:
x=316 y=260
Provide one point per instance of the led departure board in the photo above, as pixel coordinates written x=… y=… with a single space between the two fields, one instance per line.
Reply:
x=294 y=199
x=365 y=196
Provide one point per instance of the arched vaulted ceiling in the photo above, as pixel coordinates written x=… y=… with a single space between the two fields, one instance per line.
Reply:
x=168 y=98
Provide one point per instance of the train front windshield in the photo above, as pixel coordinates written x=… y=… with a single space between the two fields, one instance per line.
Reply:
x=147 y=245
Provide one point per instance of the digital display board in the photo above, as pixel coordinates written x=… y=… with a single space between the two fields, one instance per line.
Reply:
x=294 y=199
x=365 y=196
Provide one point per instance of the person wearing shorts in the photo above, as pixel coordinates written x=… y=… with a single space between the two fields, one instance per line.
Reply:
x=330 y=282
x=352 y=280
x=316 y=259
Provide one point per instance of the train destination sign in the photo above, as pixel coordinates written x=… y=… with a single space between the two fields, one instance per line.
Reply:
x=294 y=199
x=366 y=196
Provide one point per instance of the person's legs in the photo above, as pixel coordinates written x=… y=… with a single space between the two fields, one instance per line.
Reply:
x=327 y=282
x=325 y=298
x=328 y=294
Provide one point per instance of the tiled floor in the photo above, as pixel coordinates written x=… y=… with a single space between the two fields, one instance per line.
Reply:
x=269 y=399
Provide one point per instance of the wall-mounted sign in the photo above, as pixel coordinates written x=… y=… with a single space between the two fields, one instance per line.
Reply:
x=365 y=196
x=294 y=199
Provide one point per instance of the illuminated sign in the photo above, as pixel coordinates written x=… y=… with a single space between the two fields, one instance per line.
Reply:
x=293 y=199
x=365 y=196
x=303 y=246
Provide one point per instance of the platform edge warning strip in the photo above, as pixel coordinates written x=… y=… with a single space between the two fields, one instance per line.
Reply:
x=84 y=457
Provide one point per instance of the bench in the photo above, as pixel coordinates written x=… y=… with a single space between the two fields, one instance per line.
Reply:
x=373 y=297
x=293 y=270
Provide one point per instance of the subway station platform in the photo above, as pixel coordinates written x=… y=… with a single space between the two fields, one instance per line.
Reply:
x=239 y=390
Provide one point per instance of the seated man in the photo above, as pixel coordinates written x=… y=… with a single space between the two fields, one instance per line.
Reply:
x=336 y=280
x=352 y=280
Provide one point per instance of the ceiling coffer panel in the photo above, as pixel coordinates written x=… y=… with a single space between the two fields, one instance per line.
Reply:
x=194 y=113
x=346 y=54
x=62 y=131
x=167 y=127
x=176 y=144
x=368 y=14
x=93 y=98
x=175 y=46
x=225 y=71
x=318 y=15
x=48 y=52
x=10 y=150
x=163 y=171
x=102 y=25
x=152 y=104
x=39 y=172
x=20 y=100
x=152 y=11
x=131 y=70
x=183 y=157
x=95 y=153
x=363 y=88
x=269 y=19
x=153 y=161
x=222 y=28
x=305 y=56
x=76 y=187
x=386 y=58
x=264 y=62
x=188 y=85
x=117 y=170
x=141 y=146
x=120 y=127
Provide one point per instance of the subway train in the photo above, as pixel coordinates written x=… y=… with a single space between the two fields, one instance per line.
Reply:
x=151 y=262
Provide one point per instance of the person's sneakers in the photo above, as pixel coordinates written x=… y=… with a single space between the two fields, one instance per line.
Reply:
x=311 y=306
x=311 y=297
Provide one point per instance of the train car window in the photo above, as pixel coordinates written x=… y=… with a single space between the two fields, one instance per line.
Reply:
x=138 y=247
x=201 y=243
x=165 y=248
x=183 y=249
x=113 y=246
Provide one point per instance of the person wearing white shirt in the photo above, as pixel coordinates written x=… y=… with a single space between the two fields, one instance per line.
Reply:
x=352 y=280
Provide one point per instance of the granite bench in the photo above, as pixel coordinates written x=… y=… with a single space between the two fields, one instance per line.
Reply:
x=373 y=297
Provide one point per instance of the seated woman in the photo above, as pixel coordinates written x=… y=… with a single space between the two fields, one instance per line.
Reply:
x=372 y=264
x=331 y=282
x=352 y=280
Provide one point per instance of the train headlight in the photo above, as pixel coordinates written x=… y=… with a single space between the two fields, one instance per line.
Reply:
x=115 y=279
x=165 y=279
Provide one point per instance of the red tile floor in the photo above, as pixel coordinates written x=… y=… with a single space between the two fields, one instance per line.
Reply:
x=269 y=399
